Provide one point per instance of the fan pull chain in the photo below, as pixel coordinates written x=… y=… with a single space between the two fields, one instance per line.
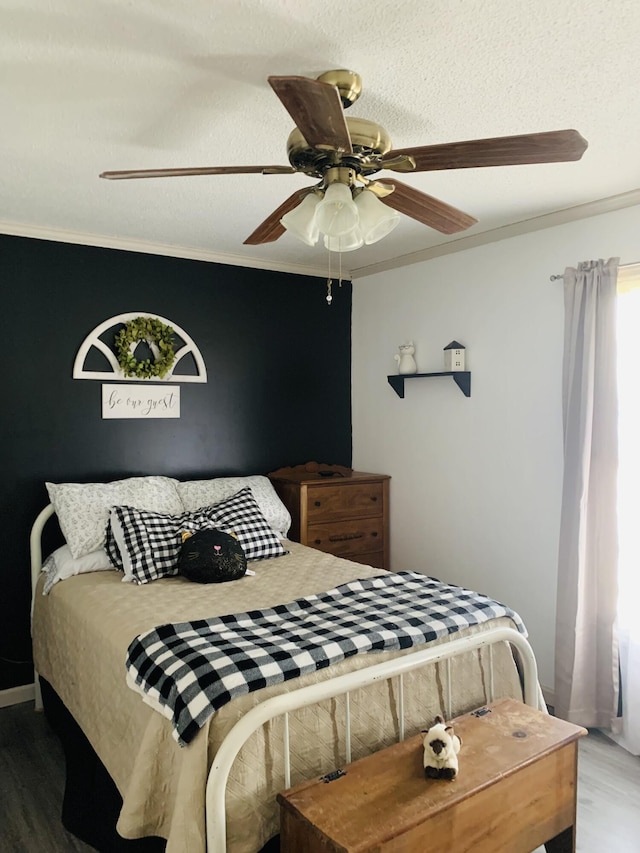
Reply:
x=329 y=296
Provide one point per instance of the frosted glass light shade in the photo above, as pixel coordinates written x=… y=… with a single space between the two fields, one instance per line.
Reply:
x=376 y=219
x=301 y=221
x=346 y=242
x=337 y=213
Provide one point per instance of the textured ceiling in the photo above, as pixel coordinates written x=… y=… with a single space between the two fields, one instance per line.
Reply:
x=93 y=86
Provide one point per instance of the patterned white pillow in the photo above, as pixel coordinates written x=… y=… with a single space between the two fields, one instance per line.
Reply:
x=83 y=508
x=202 y=493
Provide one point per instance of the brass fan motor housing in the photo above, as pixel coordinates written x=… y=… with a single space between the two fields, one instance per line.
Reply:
x=369 y=141
x=348 y=84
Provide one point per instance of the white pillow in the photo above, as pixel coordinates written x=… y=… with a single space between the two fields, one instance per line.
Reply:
x=62 y=565
x=83 y=508
x=196 y=494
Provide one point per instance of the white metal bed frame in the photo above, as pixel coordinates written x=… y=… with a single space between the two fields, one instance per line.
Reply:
x=283 y=705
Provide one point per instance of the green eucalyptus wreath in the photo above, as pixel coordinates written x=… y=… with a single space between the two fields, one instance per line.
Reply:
x=157 y=335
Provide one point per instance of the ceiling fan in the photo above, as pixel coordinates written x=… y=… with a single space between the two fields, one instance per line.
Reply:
x=346 y=205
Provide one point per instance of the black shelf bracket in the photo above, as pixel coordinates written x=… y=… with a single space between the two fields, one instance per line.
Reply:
x=462 y=378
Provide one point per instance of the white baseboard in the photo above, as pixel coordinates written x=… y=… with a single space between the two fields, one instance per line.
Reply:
x=16 y=695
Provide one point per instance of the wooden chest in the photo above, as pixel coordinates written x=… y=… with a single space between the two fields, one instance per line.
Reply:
x=515 y=790
x=337 y=510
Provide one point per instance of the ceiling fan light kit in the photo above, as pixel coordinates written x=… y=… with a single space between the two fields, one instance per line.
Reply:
x=301 y=221
x=376 y=219
x=347 y=218
x=347 y=215
x=337 y=213
x=344 y=243
x=342 y=153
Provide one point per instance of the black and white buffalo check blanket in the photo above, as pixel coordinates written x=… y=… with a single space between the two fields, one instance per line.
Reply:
x=190 y=669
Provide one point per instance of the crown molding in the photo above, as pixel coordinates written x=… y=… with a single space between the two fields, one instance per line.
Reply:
x=58 y=235
x=526 y=226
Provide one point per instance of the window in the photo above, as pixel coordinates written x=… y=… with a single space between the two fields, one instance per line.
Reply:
x=629 y=443
x=628 y=329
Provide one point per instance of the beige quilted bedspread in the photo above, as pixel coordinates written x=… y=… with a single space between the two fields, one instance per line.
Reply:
x=81 y=632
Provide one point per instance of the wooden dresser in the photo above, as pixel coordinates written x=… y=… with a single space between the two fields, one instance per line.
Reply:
x=338 y=510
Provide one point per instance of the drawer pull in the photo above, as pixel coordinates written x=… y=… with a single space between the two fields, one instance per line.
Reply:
x=316 y=503
x=374 y=533
x=374 y=498
x=345 y=537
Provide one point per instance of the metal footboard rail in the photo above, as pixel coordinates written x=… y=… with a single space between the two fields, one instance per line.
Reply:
x=284 y=704
x=35 y=554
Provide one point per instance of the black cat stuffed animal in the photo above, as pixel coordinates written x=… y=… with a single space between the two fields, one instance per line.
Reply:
x=211 y=556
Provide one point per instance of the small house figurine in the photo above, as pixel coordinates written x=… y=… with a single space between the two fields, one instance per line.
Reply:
x=454 y=356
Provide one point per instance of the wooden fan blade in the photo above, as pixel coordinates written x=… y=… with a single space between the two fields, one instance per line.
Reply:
x=555 y=146
x=271 y=229
x=316 y=109
x=425 y=208
x=198 y=170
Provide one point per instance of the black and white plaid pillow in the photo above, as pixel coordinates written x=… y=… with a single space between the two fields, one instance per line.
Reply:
x=241 y=514
x=149 y=543
x=111 y=544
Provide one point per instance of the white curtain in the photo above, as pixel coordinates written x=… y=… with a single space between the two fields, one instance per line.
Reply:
x=586 y=686
x=627 y=728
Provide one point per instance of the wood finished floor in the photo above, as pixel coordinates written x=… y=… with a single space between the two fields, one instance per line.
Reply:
x=32 y=778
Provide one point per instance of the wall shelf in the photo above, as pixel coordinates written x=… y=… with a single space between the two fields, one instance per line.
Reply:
x=462 y=378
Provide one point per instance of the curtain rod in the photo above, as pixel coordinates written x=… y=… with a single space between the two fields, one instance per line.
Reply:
x=629 y=269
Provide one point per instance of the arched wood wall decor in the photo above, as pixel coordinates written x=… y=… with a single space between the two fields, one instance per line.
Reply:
x=116 y=372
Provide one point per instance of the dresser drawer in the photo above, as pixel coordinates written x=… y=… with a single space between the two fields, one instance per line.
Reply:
x=326 y=503
x=346 y=538
x=371 y=558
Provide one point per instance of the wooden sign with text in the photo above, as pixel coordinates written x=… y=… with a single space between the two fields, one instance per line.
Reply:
x=141 y=401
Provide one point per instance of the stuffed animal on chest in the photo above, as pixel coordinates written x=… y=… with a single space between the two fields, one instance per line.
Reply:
x=441 y=748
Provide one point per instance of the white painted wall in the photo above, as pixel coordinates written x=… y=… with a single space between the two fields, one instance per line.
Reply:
x=476 y=482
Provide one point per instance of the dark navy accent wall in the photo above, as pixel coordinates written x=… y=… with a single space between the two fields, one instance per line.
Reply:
x=278 y=392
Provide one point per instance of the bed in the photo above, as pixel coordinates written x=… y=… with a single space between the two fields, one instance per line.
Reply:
x=218 y=792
